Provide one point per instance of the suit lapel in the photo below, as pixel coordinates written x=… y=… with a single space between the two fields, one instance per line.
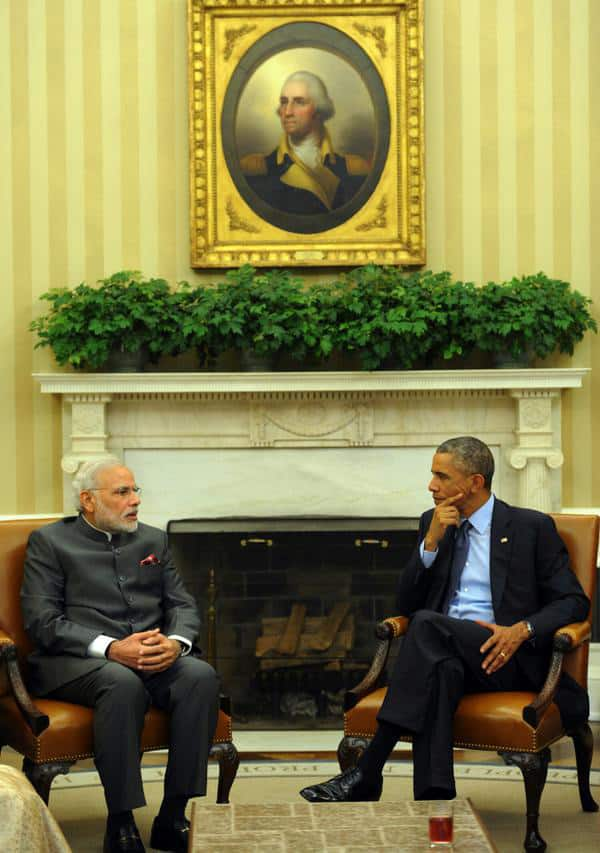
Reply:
x=501 y=543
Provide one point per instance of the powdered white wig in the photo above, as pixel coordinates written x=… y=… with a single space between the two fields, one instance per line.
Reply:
x=87 y=476
x=317 y=91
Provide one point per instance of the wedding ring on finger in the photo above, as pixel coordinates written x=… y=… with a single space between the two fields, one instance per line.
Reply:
x=502 y=655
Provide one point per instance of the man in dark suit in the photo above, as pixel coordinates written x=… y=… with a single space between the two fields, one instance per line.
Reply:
x=113 y=626
x=486 y=589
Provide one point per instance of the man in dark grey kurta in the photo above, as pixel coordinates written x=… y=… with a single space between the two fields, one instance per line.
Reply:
x=112 y=626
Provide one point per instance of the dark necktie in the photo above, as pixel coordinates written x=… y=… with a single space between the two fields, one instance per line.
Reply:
x=459 y=558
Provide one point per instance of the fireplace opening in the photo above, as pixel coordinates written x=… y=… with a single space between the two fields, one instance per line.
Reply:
x=290 y=606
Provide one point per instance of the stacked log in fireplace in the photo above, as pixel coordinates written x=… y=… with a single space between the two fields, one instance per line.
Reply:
x=304 y=663
x=291 y=604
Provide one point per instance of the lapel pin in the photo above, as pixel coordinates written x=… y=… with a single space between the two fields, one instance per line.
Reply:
x=504 y=539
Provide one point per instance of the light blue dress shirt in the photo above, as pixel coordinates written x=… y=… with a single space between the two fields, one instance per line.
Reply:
x=473 y=598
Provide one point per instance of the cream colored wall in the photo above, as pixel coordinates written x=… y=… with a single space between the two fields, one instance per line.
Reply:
x=93 y=154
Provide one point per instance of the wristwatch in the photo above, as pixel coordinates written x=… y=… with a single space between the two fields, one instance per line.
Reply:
x=530 y=629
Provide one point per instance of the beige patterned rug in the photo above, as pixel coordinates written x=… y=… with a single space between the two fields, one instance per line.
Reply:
x=329 y=828
x=498 y=796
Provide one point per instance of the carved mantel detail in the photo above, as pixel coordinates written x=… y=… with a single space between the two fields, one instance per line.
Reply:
x=89 y=432
x=313 y=421
x=535 y=453
x=518 y=412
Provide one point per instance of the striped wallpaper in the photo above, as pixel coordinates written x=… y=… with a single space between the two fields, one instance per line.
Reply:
x=93 y=159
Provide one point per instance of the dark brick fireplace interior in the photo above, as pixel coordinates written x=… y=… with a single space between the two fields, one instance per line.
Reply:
x=244 y=570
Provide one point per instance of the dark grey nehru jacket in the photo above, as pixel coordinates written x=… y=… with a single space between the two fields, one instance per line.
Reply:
x=77 y=584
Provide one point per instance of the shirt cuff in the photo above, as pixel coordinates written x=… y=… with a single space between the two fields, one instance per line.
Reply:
x=97 y=648
x=427 y=557
x=187 y=646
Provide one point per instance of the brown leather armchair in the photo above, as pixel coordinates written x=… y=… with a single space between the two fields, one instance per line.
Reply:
x=520 y=726
x=52 y=735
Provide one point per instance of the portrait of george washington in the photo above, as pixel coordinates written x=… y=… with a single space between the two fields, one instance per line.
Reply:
x=306 y=130
x=304 y=174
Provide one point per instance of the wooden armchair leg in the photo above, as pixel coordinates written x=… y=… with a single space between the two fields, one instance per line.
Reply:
x=227 y=756
x=534 y=767
x=583 y=741
x=42 y=776
x=350 y=750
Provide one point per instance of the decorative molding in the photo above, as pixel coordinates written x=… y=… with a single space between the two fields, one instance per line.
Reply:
x=232 y=36
x=378 y=36
x=377 y=221
x=535 y=453
x=238 y=223
x=309 y=421
x=519 y=457
x=516 y=411
x=425 y=381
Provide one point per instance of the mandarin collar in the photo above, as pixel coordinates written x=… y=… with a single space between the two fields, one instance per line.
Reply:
x=91 y=532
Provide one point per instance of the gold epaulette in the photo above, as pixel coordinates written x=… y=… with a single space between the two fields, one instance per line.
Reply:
x=357 y=165
x=254 y=164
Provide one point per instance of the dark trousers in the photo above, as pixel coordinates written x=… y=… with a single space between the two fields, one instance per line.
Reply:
x=438 y=662
x=188 y=690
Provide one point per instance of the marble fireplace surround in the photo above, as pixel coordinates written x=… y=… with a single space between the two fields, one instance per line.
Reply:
x=343 y=443
x=209 y=445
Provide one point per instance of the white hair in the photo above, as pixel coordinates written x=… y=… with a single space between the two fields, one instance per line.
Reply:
x=317 y=91
x=86 y=477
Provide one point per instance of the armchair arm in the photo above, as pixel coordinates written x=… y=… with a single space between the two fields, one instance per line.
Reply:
x=392 y=627
x=385 y=632
x=566 y=639
x=572 y=636
x=35 y=719
x=5 y=641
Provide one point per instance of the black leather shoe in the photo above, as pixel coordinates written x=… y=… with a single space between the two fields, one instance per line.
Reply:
x=170 y=836
x=126 y=839
x=350 y=787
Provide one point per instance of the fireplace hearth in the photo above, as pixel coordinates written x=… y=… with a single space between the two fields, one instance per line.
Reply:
x=318 y=583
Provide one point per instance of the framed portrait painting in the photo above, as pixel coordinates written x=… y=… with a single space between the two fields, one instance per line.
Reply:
x=306 y=133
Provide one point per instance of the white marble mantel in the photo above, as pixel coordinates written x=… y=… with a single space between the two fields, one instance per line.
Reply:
x=553 y=379
x=209 y=444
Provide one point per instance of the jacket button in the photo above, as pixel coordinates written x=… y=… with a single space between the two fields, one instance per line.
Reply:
x=117 y=550
x=130 y=598
x=122 y=577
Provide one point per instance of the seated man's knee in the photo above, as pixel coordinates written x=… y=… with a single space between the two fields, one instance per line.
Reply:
x=200 y=675
x=428 y=623
x=121 y=684
x=423 y=618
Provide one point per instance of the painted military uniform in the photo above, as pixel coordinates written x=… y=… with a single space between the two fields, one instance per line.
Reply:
x=286 y=183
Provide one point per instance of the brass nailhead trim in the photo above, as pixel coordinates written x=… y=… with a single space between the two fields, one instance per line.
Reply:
x=78 y=755
x=469 y=745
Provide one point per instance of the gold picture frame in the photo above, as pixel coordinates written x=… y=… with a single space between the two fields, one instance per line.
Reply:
x=251 y=199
